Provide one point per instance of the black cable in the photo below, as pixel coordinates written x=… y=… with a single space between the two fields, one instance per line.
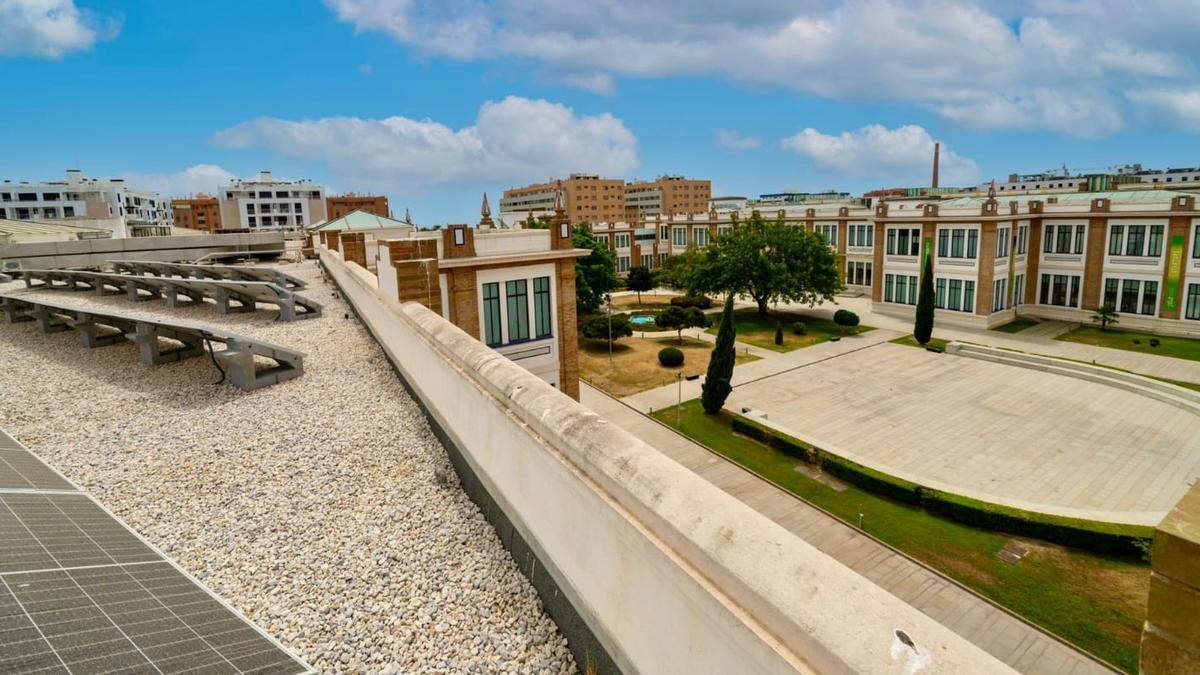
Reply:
x=213 y=357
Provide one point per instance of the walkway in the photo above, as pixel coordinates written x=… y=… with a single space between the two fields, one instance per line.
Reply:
x=772 y=363
x=1019 y=644
x=1036 y=340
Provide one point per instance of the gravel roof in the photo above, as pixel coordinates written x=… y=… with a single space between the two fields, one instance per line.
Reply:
x=323 y=508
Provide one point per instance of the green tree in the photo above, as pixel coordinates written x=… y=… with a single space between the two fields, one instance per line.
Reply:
x=717 y=385
x=594 y=275
x=678 y=318
x=678 y=270
x=770 y=262
x=537 y=223
x=598 y=327
x=923 y=327
x=639 y=279
x=1106 y=316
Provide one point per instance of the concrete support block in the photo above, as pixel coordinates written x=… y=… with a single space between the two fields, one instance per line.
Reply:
x=238 y=362
x=46 y=322
x=287 y=309
x=147 y=335
x=14 y=310
x=89 y=333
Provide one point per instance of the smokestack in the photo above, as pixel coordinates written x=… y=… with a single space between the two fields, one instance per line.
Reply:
x=937 y=149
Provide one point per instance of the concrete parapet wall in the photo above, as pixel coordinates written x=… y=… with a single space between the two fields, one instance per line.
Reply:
x=669 y=573
x=1171 y=635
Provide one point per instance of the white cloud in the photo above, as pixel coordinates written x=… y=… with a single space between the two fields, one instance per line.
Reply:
x=1178 y=106
x=904 y=154
x=50 y=28
x=513 y=140
x=732 y=139
x=190 y=181
x=1038 y=64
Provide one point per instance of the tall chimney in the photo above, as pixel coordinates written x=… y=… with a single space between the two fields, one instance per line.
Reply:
x=937 y=149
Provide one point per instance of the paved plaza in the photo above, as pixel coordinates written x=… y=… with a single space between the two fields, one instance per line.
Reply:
x=1001 y=433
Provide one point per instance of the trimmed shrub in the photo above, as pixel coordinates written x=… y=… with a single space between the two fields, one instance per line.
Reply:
x=1124 y=540
x=871 y=480
x=799 y=328
x=698 y=301
x=782 y=442
x=670 y=357
x=778 y=333
x=846 y=319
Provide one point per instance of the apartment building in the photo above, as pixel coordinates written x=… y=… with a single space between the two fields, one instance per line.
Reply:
x=107 y=204
x=1058 y=256
x=202 y=212
x=1120 y=175
x=586 y=197
x=1048 y=256
x=666 y=196
x=845 y=225
x=337 y=206
x=265 y=203
x=514 y=290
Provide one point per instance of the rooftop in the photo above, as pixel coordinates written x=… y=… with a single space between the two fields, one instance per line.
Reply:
x=323 y=508
x=361 y=220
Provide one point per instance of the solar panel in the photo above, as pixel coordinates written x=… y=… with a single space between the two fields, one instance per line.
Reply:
x=80 y=592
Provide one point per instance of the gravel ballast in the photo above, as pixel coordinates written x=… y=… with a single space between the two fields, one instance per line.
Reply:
x=323 y=508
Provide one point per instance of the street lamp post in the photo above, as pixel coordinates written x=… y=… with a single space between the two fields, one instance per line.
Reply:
x=679 y=401
x=608 y=302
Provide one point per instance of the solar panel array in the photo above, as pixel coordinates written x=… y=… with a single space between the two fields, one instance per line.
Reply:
x=80 y=592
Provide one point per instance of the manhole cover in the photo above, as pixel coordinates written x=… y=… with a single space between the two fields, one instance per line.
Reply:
x=1012 y=553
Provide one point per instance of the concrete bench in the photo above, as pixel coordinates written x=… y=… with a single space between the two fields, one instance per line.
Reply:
x=218 y=272
x=100 y=328
x=230 y=296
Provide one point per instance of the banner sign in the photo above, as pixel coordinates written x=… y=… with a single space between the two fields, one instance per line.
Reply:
x=1174 y=271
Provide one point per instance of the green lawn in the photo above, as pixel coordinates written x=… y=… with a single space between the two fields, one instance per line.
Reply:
x=759 y=331
x=1182 y=348
x=1096 y=602
x=1016 y=325
x=910 y=341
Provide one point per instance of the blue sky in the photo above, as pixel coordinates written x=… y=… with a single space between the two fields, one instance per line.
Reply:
x=433 y=103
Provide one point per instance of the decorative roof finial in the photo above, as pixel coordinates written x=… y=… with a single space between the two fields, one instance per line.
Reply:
x=407 y=217
x=485 y=214
x=558 y=198
x=992 y=190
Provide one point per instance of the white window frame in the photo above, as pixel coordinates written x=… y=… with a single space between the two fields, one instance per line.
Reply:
x=1141 y=280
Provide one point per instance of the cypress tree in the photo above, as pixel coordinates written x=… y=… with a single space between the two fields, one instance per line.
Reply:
x=717 y=385
x=923 y=329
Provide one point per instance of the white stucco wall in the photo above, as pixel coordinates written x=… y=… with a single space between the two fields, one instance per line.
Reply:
x=671 y=574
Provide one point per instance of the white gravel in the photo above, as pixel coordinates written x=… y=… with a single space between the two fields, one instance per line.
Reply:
x=314 y=506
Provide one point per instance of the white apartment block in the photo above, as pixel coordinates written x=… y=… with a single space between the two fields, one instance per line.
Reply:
x=88 y=202
x=264 y=203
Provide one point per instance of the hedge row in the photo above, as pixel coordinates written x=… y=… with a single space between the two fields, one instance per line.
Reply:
x=1125 y=540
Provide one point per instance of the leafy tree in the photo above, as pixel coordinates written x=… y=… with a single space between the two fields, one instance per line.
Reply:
x=594 y=275
x=1106 y=316
x=770 y=262
x=923 y=328
x=677 y=271
x=846 y=319
x=779 y=333
x=717 y=385
x=639 y=279
x=537 y=223
x=678 y=318
x=598 y=328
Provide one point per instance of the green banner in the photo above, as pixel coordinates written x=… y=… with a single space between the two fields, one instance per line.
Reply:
x=1174 y=271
